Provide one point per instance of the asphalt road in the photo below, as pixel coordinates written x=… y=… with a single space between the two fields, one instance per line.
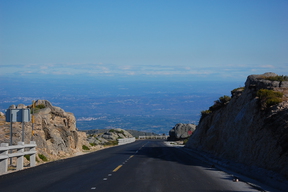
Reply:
x=147 y=165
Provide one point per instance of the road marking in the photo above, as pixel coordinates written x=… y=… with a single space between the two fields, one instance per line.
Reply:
x=109 y=175
x=131 y=156
x=104 y=179
x=93 y=188
x=117 y=168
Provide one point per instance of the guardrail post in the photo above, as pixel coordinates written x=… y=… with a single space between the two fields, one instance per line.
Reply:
x=20 y=159
x=33 y=156
x=4 y=160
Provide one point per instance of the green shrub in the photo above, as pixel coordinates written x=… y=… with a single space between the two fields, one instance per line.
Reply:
x=278 y=78
x=112 y=130
x=37 y=108
x=206 y=112
x=238 y=89
x=116 y=131
x=224 y=99
x=27 y=157
x=113 y=142
x=42 y=157
x=269 y=97
x=40 y=106
x=92 y=144
x=185 y=141
x=84 y=147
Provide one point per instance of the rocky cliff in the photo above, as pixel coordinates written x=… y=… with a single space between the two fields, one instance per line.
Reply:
x=55 y=131
x=251 y=127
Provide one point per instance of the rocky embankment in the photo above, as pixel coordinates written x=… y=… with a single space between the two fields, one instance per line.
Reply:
x=251 y=127
x=55 y=131
x=109 y=137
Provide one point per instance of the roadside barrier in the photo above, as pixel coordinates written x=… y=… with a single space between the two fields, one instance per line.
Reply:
x=154 y=137
x=18 y=151
x=125 y=140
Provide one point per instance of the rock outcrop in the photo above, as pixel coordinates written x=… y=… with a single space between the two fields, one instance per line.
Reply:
x=244 y=132
x=181 y=131
x=109 y=137
x=55 y=131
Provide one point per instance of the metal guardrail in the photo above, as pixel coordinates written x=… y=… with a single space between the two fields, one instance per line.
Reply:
x=154 y=137
x=126 y=140
x=7 y=152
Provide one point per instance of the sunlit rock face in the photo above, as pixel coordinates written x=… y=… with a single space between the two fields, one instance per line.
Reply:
x=244 y=132
x=55 y=132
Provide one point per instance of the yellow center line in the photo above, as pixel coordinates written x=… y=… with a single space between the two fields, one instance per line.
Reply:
x=116 y=169
x=131 y=156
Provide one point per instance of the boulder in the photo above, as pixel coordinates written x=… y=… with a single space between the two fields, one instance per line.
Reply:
x=108 y=136
x=12 y=107
x=21 y=106
x=181 y=131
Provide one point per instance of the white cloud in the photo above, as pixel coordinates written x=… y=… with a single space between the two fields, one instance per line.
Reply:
x=43 y=67
x=267 y=66
x=104 y=69
x=131 y=73
x=125 y=67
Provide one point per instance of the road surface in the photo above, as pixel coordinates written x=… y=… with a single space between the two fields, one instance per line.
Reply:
x=142 y=166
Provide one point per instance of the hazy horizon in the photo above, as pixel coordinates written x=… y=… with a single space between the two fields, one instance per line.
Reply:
x=154 y=106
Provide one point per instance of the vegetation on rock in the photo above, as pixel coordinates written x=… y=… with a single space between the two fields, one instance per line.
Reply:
x=222 y=101
x=84 y=147
x=277 y=78
x=42 y=157
x=185 y=141
x=116 y=131
x=238 y=89
x=269 y=97
x=40 y=106
x=27 y=157
x=218 y=104
x=205 y=113
x=113 y=142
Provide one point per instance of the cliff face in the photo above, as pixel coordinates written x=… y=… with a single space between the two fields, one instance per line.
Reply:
x=244 y=132
x=55 y=132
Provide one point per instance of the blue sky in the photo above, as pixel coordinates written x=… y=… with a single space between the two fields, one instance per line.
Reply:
x=209 y=39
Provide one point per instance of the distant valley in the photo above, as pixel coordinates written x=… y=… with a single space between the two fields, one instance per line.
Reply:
x=144 y=106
